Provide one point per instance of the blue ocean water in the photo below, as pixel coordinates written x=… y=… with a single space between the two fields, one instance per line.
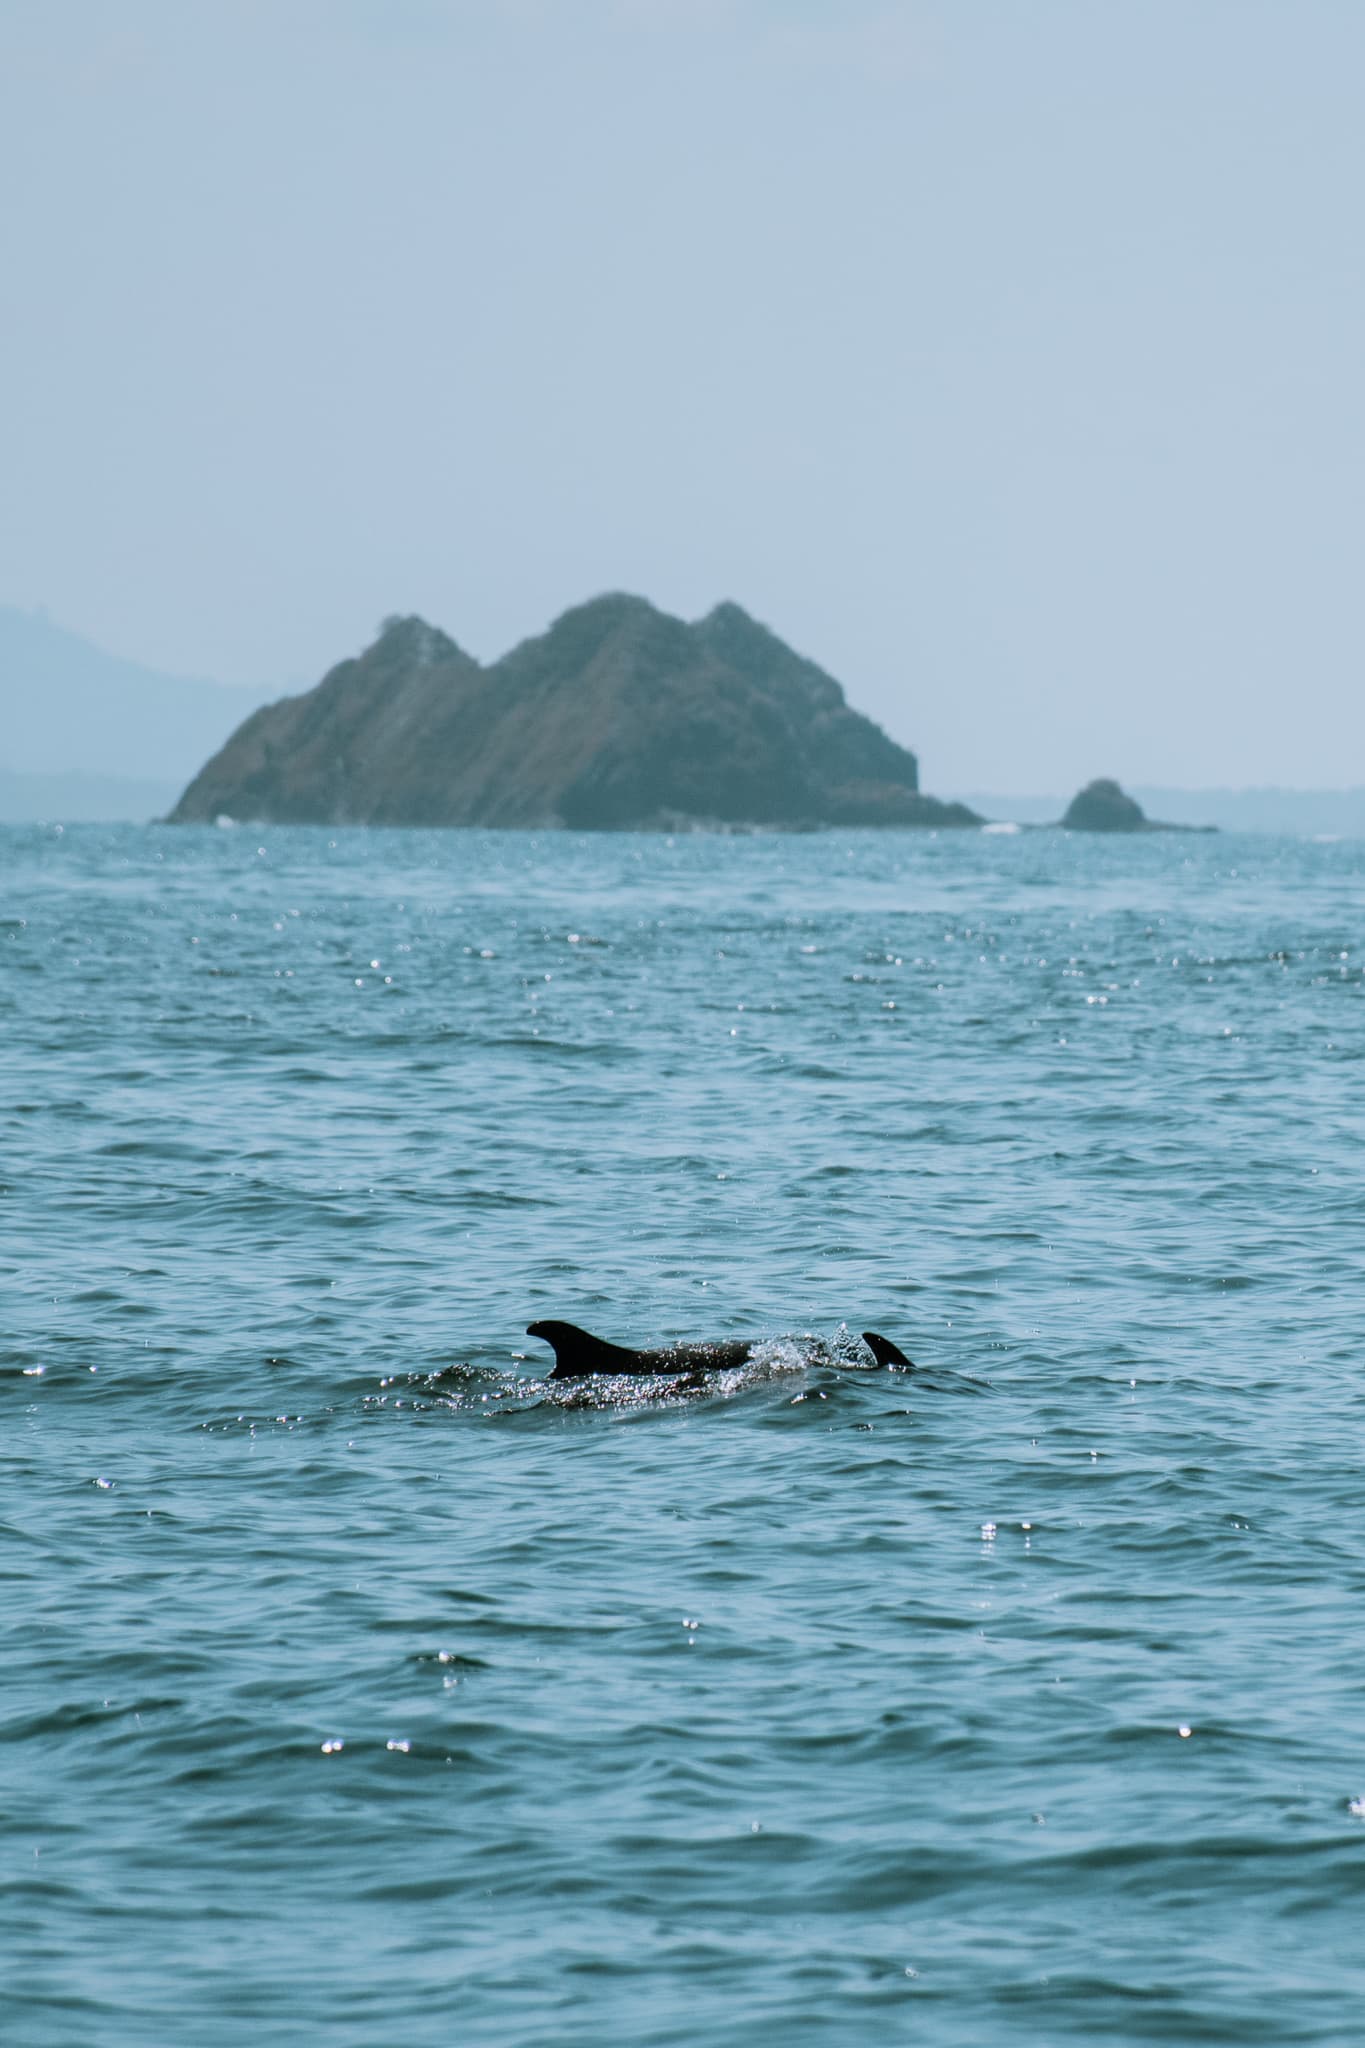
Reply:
x=360 y=1689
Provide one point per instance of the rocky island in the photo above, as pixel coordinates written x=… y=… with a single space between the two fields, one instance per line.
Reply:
x=618 y=716
x=1103 y=807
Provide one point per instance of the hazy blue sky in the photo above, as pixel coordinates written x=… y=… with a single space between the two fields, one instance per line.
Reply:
x=1007 y=356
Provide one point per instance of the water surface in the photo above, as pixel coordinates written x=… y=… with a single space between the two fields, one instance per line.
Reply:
x=359 y=1689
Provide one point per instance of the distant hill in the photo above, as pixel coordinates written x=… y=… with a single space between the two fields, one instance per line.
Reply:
x=82 y=799
x=618 y=716
x=68 y=709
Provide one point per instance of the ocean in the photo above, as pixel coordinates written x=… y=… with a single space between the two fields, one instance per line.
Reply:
x=360 y=1688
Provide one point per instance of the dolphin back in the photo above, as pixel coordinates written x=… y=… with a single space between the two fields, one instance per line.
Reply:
x=885 y=1352
x=578 y=1352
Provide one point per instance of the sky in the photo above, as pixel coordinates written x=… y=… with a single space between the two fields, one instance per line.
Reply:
x=1004 y=358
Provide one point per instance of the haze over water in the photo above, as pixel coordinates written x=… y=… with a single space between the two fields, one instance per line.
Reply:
x=359 y=1689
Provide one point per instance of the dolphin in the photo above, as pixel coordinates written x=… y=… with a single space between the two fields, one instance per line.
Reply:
x=887 y=1353
x=578 y=1353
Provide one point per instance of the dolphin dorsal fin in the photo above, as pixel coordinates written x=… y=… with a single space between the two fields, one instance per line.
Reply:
x=885 y=1352
x=578 y=1352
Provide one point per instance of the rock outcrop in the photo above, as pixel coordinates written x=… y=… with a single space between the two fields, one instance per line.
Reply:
x=618 y=716
x=1103 y=807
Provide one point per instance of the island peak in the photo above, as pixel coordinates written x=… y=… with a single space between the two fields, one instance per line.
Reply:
x=411 y=638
